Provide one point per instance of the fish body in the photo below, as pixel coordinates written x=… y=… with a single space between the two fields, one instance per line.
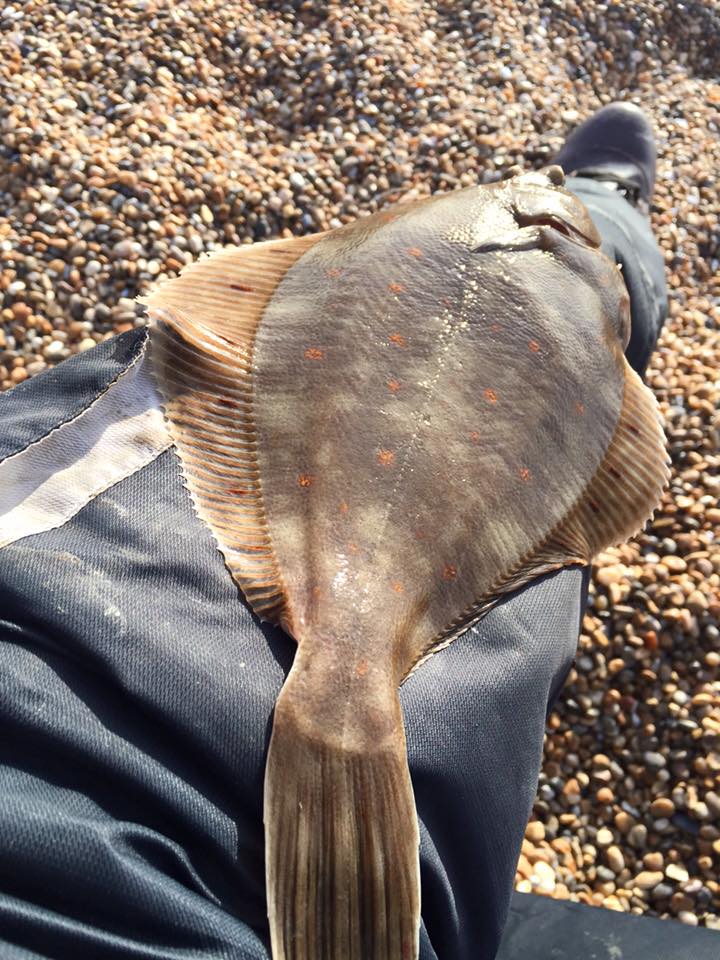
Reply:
x=388 y=427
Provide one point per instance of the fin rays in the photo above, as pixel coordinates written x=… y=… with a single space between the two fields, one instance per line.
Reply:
x=342 y=848
x=204 y=327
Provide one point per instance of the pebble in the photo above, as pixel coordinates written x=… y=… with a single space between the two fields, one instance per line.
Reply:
x=605 y=795
x=615 y=859
x=637 y=837
x=676 y=872
x=697 y=602
x=662 y=807
x=93 y=268
x=653 y=860
x=604 y=837
x=612 y=574
x=543 y=877
x=134 y=152
x=687 y=917
x=654 y=760
x=535 y=831
x=662 y=891
x=55 y=350
x=647 y=879
x=623 y=821
x=124 y=250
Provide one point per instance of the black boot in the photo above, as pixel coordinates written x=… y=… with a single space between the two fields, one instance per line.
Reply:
x=616 y=146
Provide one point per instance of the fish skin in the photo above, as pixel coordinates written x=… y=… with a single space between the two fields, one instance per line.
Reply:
x=459 y=333
x=432 y=408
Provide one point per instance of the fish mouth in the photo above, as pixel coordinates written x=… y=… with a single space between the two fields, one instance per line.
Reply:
x=531 y=231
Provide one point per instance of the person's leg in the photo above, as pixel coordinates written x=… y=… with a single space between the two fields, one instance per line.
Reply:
x=136 y=691
x=627 y=239
x=131 y=675
x=609 y=162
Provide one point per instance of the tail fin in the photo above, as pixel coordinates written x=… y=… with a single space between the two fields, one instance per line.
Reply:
x=341 y=842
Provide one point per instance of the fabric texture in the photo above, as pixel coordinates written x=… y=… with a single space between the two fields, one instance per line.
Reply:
x=136 y=697
x=628 y=240
x=543 y=929
x=45 y=484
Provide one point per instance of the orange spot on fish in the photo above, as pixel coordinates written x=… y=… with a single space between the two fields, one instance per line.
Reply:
x=398 y=339
x=314 y=353
x=475 y=435
x=414 y=251
x=333 y=273
x=386 y=457
x=393 y=386
x=238 y=491
x=344 y=507
x=449 y=571
x=398 y=587
x=490 y=395
x=580 y=407
x=362 y=668
x=243 y=287
x=420 y=534
x=633 y=429
x=534 y=345
x=353 y=548
x=495 y=327
x=446 y=301
x=524 y=474
x=305 y=479
x=387 y=217
x=396 y=287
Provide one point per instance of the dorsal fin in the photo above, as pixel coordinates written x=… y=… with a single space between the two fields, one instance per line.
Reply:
x=201 y=349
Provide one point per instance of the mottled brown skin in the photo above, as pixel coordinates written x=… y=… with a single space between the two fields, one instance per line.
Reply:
x=443 y=436
x=387 y=428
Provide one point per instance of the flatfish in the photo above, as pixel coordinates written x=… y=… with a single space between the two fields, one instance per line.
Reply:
x=388 y=427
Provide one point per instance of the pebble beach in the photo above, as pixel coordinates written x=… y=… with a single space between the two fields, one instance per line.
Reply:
x=137 y=134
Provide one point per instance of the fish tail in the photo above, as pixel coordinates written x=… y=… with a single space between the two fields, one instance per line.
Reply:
x=341 y=834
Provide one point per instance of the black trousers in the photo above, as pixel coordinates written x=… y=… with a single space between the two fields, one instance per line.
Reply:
x=136 y=695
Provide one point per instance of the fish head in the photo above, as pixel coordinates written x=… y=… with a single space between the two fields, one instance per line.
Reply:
x=534 y=212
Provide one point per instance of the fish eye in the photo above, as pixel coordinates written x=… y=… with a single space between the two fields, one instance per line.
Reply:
x=560 y=224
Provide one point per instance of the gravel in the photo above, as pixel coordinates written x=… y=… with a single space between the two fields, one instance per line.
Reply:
x=136 y=134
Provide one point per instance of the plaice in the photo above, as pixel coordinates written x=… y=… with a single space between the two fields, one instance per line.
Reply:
x=387 y=427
